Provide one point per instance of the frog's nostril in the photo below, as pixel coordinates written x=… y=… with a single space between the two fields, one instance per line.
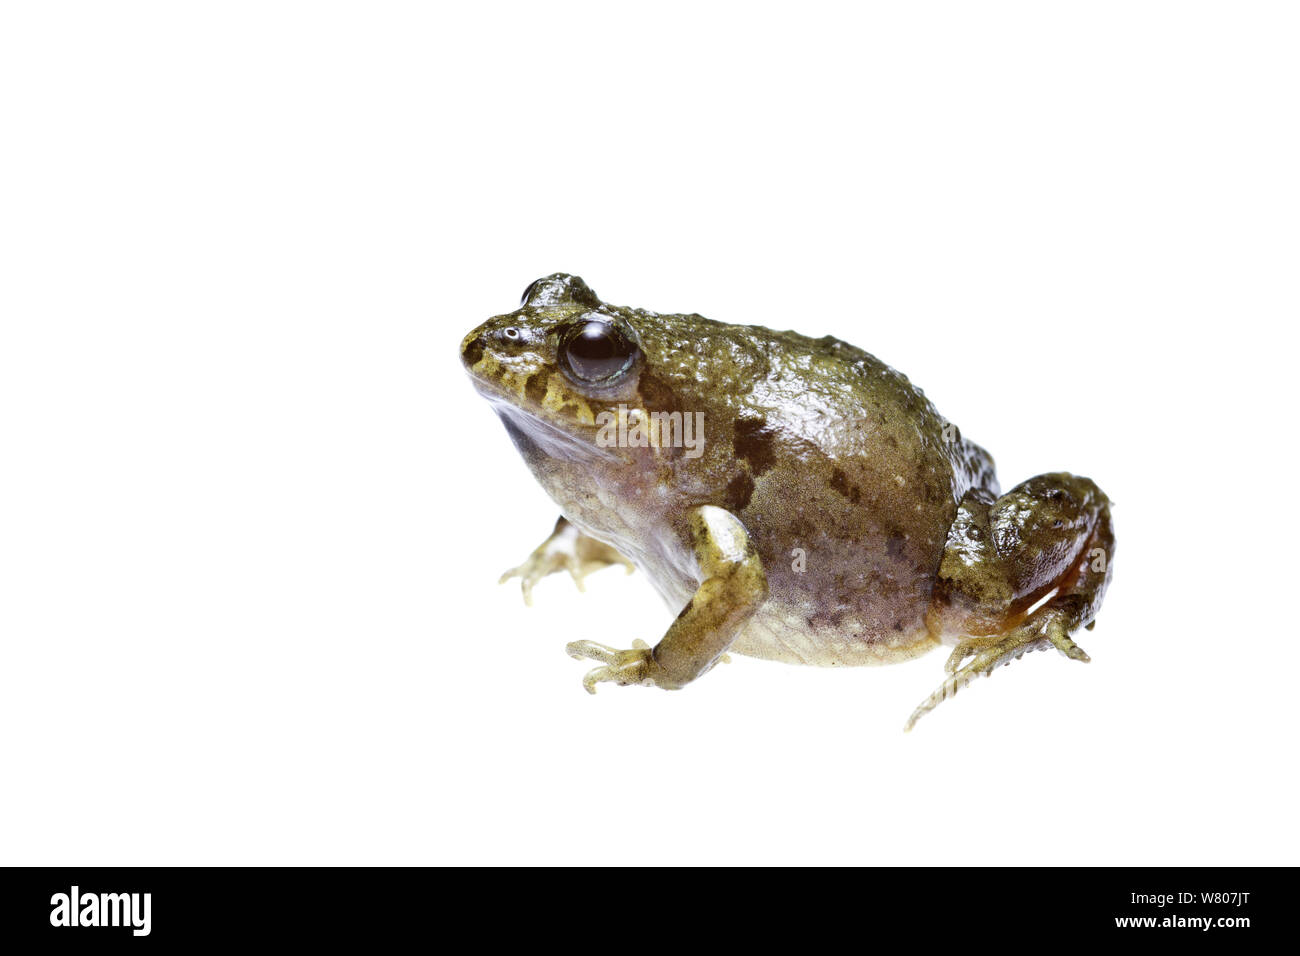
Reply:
x=471 y=350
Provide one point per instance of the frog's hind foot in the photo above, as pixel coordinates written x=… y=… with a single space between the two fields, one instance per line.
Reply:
x=567 y=549
x=1060 y=641
x=1050 y=626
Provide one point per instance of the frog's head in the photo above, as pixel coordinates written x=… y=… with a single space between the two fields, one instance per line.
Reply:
x=556 y=368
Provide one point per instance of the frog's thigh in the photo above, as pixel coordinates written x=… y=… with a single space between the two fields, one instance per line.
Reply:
x=732 y=587
x=1050 y=537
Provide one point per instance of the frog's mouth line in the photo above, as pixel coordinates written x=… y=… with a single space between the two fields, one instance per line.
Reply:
x=549 y=437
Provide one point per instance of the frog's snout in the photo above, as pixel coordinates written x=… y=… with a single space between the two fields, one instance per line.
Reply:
x=471 y=349
x=493 y=339
x=501 y=338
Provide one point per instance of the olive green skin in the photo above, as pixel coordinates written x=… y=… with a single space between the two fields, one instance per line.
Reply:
x=844 y=476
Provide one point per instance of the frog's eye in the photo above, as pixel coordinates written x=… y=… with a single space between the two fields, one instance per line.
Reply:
x=532 y=287
x=597 y=352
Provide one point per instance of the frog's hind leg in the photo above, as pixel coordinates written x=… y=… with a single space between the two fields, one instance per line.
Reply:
x=567 y=549
x=1020 y=573
x=1048 y=627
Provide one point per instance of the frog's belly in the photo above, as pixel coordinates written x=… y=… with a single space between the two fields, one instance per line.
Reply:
x=790 y=630
x=782 y=632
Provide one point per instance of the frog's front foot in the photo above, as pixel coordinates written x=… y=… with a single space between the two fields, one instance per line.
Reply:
x=567 y=549
x=732 y=587
x=637 y=666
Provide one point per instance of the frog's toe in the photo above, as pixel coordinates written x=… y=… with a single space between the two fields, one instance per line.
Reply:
x=590 y=650
x=527 y=578
x=959 y=654
x=1062 y=641
x=958 y=677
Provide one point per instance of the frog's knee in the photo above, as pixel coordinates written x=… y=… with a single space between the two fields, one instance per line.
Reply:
x=1040 y=525
x=1059 y=494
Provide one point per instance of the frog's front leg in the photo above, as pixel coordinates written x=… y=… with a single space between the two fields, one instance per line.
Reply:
x=1022 y=572
x=567 y=549
x=732 y=586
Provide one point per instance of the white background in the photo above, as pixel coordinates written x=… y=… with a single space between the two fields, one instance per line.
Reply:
x=252 y=513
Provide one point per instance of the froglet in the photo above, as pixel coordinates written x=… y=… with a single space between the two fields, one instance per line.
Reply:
x=790 y=498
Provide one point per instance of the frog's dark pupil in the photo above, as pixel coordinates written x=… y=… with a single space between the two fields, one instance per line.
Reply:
x=523 y=299
x=598 y=351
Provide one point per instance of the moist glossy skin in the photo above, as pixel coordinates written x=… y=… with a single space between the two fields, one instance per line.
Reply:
x=829 y=516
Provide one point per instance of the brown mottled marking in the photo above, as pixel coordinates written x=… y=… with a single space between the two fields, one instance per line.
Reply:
x=841 y=484
x=656 y=394
x=756 y=443
x=535 y=387
x=473 y=352
x=895 y=543
x=739 y=491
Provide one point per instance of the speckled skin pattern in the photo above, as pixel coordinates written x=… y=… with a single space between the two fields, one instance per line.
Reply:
x=868 y=529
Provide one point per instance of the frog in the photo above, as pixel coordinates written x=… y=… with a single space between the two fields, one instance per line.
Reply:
x=790 y=498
